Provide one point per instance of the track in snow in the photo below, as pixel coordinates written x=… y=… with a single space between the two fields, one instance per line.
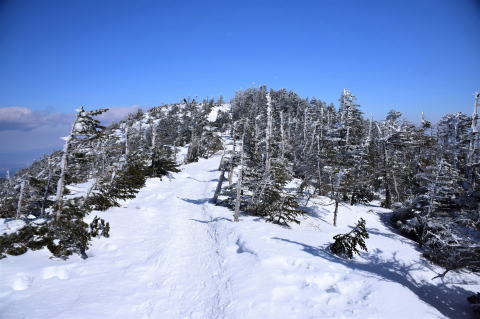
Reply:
x=189 y=273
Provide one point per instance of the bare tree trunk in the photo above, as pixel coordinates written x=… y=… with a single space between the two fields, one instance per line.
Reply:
x=219 y=187
x=230 y=172
x=282 y=134
x=396 y=187
x=20 y=199
x=314 y=134
x=47 y=186
x=63 y=166
x=335 y=198
x=240 y=179
x=348 y=135
x=221 y=162
x=473 y=141
x=90 y=189
x=369 y=137
x=192 y=152
x=269 y=132
x=305 y=140
x=388 y=198
x=126 y=143
x=104 y=157
x=154 y=135
x=335 y=213
x=319 y=172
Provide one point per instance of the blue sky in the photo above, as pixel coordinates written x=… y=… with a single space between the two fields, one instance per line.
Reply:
x=413 y=55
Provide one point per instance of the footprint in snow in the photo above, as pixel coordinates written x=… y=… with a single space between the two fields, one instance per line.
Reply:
x=242 y=248
x=22 y=282
x=111 y=247
x=60 y=272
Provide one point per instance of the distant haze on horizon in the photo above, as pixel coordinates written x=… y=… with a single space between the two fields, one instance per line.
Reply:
x=412 y=56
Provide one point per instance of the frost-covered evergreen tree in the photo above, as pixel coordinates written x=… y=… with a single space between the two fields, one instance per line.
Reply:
x=274 y=202
x=84 y=129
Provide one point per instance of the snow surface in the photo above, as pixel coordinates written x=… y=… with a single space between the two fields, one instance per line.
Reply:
x=212 y=116
x=9 y=226
x=79 y=190
x=172 y=254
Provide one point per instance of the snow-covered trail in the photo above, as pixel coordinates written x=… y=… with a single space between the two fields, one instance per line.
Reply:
x=163 y=260
x=187 y=278
x=172 y=254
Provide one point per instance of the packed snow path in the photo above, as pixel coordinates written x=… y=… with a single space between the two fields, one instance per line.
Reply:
x=172 y=254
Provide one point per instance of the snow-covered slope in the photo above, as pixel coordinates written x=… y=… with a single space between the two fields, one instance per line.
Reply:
x=172 y=254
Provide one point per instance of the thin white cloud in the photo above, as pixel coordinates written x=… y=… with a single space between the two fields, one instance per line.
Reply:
x=118 y=113
x=23 y=132
x=18 y=118
x=22 y=128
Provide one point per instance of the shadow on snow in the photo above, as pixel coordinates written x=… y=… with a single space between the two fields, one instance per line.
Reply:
x=197 y=180
x=450 y=301
x=200 y=201
x=213 y=220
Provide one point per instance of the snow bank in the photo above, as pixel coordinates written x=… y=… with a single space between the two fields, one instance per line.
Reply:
x=212 y=117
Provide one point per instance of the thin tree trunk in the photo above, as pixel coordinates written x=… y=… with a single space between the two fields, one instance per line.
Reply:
x=305 y=140
x=63 y=166
x=335 y=213
x=104 y=157
x=396 y=187
x=47 y=186
x=269 y=132
x=314 y=134
x=232 y=164
x=126 y=143
x=90 y=189
x=369 y=137
x=282 y=134
x=319 y=172
x=219 y=187
x=230 y=174
x=154 y=135
x=240 y=179
x=473 y=141
x=20 y=199
x=388 y=199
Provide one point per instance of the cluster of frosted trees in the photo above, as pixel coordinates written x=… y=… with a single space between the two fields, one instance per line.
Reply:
x=109 y=164
x=428 y=173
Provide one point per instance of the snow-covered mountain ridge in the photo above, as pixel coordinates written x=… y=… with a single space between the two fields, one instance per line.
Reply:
x=317 y=172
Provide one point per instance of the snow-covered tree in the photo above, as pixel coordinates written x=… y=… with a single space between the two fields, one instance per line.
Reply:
x=84 y=128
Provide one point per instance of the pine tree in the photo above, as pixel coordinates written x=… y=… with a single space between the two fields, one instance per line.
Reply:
x=275 y=202
x=441 y=186
x=125 y=185
x=345 y=245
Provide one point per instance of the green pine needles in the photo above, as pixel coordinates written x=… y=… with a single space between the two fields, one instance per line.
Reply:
x=125 y=185
x=62 y=238
x=345 y=245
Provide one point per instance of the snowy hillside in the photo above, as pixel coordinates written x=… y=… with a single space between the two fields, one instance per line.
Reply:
x=172 y=254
